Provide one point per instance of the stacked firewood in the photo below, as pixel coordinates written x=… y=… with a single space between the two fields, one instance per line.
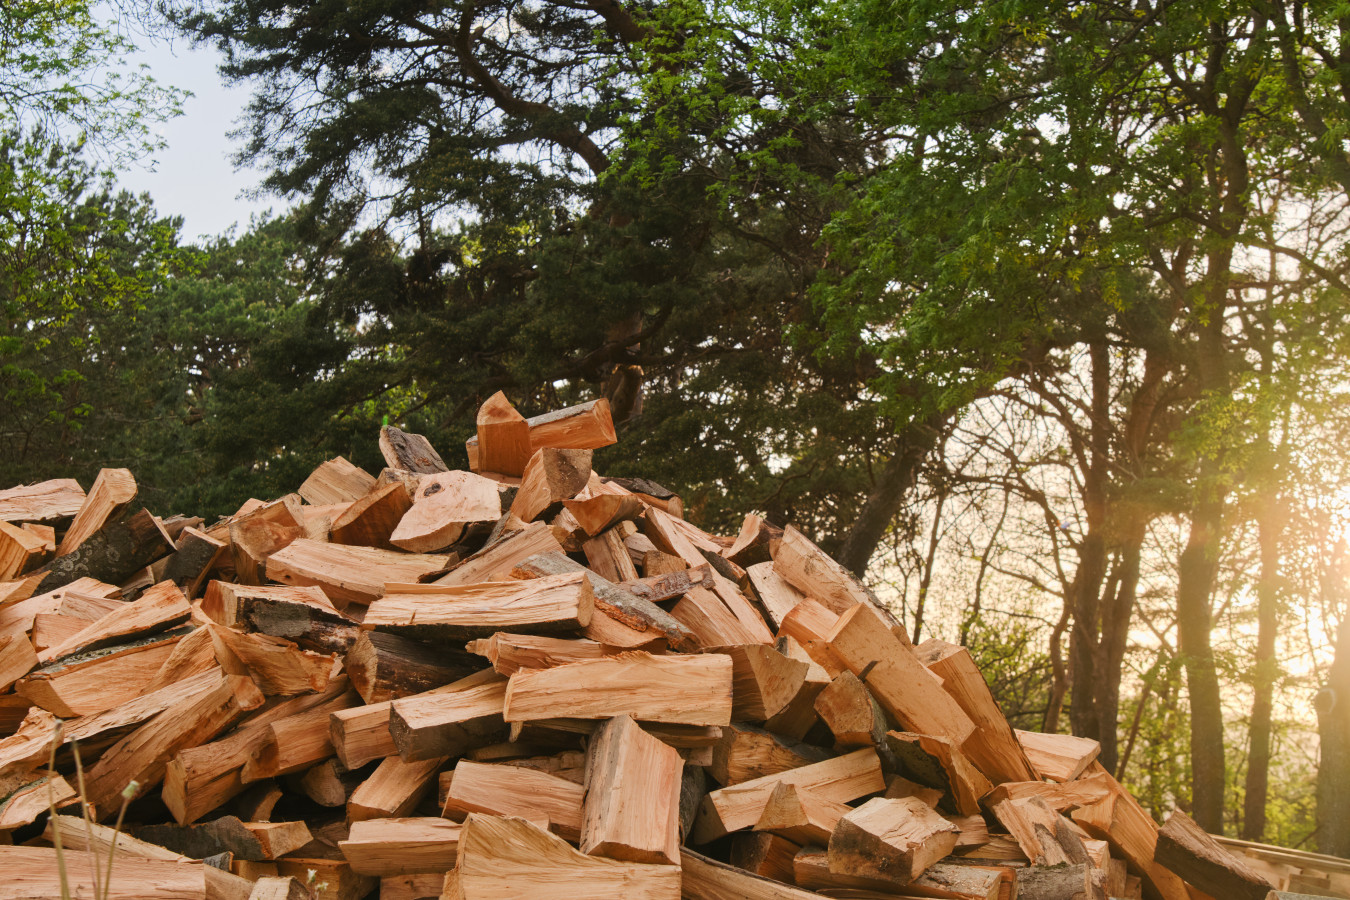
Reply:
x=518 y=680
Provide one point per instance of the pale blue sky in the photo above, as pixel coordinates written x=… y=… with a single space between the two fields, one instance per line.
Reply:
x=194 y=175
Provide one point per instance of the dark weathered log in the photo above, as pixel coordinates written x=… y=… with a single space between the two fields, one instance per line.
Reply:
x=387 y=666
x=1193 y=854
x=112 y=554
x=188 y=567
x=411 y=452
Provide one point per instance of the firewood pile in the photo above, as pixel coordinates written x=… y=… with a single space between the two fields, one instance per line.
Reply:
x=520 y=680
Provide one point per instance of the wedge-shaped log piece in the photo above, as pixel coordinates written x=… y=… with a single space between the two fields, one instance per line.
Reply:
x=410 y=452
x=598 y=512
x=901 y=684
x=254 y=841
x=509 y=652
x=1064 y=882
x=707 y=879
x=23 y=805
x=671 y=585
x=17 y=658
x=809 y=624
x=387 y=666
x=158 y=609
x=503 y=437
x=46 y=501
x=754 y=543
x=276 y=665
x=616 y=603
x=200 y=779
x=295 y=743
x=401 y=846
x=899 y=786
x=1122 y=822
x=143 y=755
x=607 y=556
x=850 y=712
x=20 y=550
x=692 y=690
x=112 y=493
x=443 y=507
x=509 y=858
x=1187 y=850
x=711 y=622
x=446 y=613
x=587 y=426
x=801 y=815
x=841 y=779
x=1061 y=796
x=394 y=789
x=764 y=853
x=270 y=887
x=993 y=747
x=516 y=791
x=197 y=554
x=775 y=594
x=632 y=805
x=745 y=752
x=551 y=477
x=1045 y=836
x=102 y=679
x=372 y=518
x=33 y=872
x=964 y=781
x=349 y=574
x=890 y=840
x=812 y=571
x=112 y=554
x=497 y=560
x=301 y=614
x=447 y=721
x=262 y=531
x=336 y=481
x=1058 y=757
x=764 y=680
x=361 y=734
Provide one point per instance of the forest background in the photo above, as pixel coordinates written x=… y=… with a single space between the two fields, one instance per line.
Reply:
x=1033 y=313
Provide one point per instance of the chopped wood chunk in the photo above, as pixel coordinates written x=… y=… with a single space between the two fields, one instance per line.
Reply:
x=801 y=815
x=111 y=554
x=503 y=437
x=551 y=478
x=276 y=665
x=402 y=846
x=920 y=753
x=587 y=426
x=394 y=789
x=46 y=501
x=1189 y=851
x=436 y=612
x=498 y=857
x=601 y=511
x=764 y=680
x=632 y=803
x=113 y=491
x=336 y=481
x=510 y=652
x=447 y=721
x=387 y=666
x=850 y=712
x=372 y=518
x=890 y=840
x=708 y=879
x=410 y=452
x=516 y=791
x=443 y=507
x=349 y=574
x=20 y=550
x=745 y=753
x=1058 y=757
x=765 y=854
x=158 y=609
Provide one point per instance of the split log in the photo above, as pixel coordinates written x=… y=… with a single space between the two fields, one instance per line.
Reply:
x=17 y=659
x=505 y=858
x=371 y=519
x=809 y=624
x=1061 y=796
x=336 y=481
x=158 y=609
x=395 y=788
x=711 y=622
x=1063 y=882
x=255 y=841
x=754 y=543
x=387 y=666
x=693 y=690
x=814 y=573
x=1132 y=833
x=349 y=574
x=447 y=721
x=851 y=713
x=20 y=550
x=257 y=534
x=361 y=734
x=458 y=613
x=421 y=886
x=587 y=426
x=841 y=779
x=773 y=591
x=616 y=603
x=276 y=665
x=707 y=879
x=197 y=554
x=515 y=791
x=200 y=779
x=503 y=437
x=295 y=743
x=300 y=614
x=46 y=501
x=33 y=872
x=797 y=719
x=551 y=477
x=270 y=887
x=919 y=753
x=143 y=755
x=765 y=854
x=764 y=681
x=1058 y=757
x=890 y=840
x=193 y=654
x=25 y=804
x=1045 y=836
x=498 y=560
x=598 y=512
x=901 y=684
x=607 y=556
x=671 y=585
x=113 y=491
x=946 y=881
x=801 y=815
x=102 y=679
x=401 y=846
x=444 y=506
x=632 y=801
x=992 y=747
x=745 y=753
x=342 y=883
x=1189 y=851
x=410 y=452
x=898 y=786
x=328 y=784
x=111 y=554
x=510 y=652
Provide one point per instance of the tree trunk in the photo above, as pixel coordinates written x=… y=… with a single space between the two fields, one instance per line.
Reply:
x=1116 y=615
x=1266 y=671
x=1333 y=728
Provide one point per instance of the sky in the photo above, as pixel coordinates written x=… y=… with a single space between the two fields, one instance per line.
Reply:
x=194 y=176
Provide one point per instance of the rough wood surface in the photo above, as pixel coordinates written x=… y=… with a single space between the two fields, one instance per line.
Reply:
x=503 y=437
x=559 y=603
x=158 y=609
x=550 y=478
x=449 y=720
x=707 y=879
x=1058 y=757
x=336 y=481
x=46 y=501
x=510 y=652
x=113 y=491
x=410 y=452
x=801 y=815
x=111 y=554
x=745 y=753
x=372 y=518
x=586 y=426
x=444 y=505
x=890 y=840
x=394 y=789
x=1187 y=850
x=965 y=782
x=764 y=680
x=401 y=846
x=20 y=550
x=388 y=666
x=516 y=791
x=632 y=802
x=349 y=574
